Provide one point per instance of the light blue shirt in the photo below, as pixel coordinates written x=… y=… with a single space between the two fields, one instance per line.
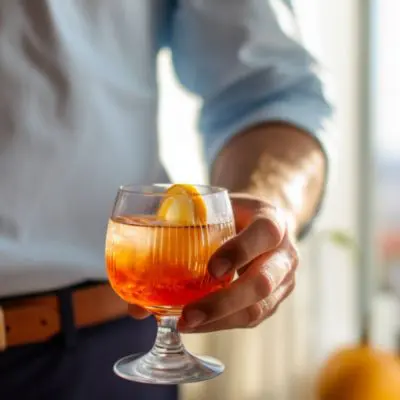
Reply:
x=78 y=106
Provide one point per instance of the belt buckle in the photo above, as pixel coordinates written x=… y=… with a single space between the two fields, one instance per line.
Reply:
x=3 y=330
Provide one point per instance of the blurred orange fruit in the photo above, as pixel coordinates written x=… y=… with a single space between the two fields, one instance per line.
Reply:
x=360 y=373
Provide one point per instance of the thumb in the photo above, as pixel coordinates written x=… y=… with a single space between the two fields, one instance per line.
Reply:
x=137 y=312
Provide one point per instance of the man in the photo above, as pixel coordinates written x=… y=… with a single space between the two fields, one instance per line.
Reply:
x=78 y=117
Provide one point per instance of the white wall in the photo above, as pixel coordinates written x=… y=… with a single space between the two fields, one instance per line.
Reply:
x=387 y=78
x=331 y=27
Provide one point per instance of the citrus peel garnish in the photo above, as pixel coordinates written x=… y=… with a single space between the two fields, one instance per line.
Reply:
x=183 y=205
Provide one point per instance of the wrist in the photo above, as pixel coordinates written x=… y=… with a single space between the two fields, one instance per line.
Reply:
x=279 y=164
x=282 y=187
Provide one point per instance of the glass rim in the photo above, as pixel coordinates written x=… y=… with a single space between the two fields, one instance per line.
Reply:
x=146 y=189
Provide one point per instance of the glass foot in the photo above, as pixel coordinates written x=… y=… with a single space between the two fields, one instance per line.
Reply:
x=171 y=369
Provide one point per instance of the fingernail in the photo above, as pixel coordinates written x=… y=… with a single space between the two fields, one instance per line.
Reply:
x=219 y=267
x=194 y=317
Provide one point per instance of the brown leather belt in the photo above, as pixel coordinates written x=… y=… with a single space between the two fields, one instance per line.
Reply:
x=36 y=319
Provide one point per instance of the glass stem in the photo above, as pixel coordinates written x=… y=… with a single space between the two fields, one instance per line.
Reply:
x=168 y=341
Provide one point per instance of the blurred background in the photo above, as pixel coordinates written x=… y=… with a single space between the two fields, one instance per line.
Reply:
x=349 y=280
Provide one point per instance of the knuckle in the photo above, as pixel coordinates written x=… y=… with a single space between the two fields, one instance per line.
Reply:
x=254 y=315
x=262 y=285
x=272 y=311
x=268 y=210
x=268 y=227
x=276 y=269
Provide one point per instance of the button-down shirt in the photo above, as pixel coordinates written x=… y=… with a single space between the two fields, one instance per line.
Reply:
x=78 y=106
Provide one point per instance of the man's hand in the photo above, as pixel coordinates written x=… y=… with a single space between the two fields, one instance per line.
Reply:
x=264 y=255
x=279 y=167
x=265 y=258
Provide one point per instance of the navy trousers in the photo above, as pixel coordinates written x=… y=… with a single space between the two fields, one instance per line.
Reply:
x=78 y=365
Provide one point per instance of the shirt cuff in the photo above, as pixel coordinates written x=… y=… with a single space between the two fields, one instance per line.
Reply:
x=295 y=114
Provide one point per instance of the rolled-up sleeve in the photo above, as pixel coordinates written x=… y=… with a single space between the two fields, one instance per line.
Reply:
x=246 y=62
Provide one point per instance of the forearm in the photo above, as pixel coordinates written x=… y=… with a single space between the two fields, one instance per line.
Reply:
x=278 y=162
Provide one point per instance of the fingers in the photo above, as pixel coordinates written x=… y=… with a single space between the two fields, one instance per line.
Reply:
x=250 y=316
x=261 y=278
x=137 y=312
x=280 y=264
x=263 y=235
x=270 y=304
x=265 y=258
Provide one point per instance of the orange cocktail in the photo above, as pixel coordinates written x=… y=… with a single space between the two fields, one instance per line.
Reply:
x=160 y=261
x=159 y=241
x=163 y=266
